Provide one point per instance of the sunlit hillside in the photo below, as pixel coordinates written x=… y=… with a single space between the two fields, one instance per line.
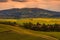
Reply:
x=13 y=33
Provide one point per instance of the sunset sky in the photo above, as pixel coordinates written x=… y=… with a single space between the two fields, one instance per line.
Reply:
x=45 y=4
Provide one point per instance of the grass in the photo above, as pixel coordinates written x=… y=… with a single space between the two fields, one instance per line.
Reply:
x=52 y=34
x=16 y=36
x=11 y=35
x=34 y=20
x=40 y=20
x=3 y=28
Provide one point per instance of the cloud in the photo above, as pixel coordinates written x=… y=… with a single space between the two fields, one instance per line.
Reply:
x=3 y=0
x=45 y=4
x=19 y=0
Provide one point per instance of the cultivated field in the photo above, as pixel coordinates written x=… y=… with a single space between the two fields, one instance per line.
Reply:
x=34 y=20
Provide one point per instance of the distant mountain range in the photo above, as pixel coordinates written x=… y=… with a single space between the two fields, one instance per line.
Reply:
x=28 y=13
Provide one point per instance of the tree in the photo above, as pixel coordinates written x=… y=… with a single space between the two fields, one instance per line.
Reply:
x=44 y=27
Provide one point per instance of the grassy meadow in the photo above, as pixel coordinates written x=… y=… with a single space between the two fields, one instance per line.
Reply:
x=26 y=34
x=34 y=20
x=40 y=20
x=8 y=34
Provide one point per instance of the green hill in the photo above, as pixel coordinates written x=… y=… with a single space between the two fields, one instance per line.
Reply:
x=7 y=34
x=17 y=33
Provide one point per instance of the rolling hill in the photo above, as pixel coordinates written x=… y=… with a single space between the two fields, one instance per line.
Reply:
x=28 y=13
x=14 y=33
x=7 y=34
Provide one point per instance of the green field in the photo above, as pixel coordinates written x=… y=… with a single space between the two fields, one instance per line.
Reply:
x=16 y=33
x=40 y=20
x=34 y=20
x=7 y=34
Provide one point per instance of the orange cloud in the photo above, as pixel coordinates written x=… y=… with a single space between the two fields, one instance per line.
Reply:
x=3 y=0
x=45 y=4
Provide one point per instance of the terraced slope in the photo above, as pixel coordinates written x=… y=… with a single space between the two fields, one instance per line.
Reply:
x=22 y=31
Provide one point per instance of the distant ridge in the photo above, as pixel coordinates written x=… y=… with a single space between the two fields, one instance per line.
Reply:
x=28 y=13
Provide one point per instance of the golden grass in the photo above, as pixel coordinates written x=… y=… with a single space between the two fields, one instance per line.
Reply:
x=40 y=20
x=34 y=20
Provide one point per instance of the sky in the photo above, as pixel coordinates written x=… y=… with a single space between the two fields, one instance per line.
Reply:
x=53 y=5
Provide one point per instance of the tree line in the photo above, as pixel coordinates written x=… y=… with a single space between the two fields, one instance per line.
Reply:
x=42 y=27
x=8 y=23
x=36 y=27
